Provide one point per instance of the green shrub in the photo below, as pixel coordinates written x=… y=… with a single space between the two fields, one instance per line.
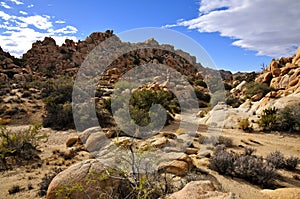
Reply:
x=19 y=145
x=288 y=118
x=200 y=82
x=139 y=106
x=268 y=119
x=202 y=96
x=58 y=98
x=254 y=88
x=233 y=101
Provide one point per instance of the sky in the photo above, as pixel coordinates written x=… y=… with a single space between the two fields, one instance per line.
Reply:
x=238 y=35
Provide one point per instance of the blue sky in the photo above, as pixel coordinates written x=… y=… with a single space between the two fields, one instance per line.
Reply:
x=238 y=35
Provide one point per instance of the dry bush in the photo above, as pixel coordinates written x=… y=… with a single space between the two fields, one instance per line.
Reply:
x=246 y=166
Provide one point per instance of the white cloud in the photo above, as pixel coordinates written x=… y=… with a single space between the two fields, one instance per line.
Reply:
x=17 y=2
x=270 y=27
x=65 y=30
x=4 y=5
x=23 y=12
x=30 y=6
x=40 y=22
x=60 y=22
x=4 y=16
x=19 y=32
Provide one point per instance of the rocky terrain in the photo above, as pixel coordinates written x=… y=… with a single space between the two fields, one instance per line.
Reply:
x=93 y=163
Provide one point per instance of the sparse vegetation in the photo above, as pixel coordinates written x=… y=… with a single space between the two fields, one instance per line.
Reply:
x=244 y=124
x=248 y=77
x=58 y=98
x=233 y=101
x=202 y=96
x=280 y=162
x=246 y=166
x=19 y=145
x=268 y=119
x=139 y=107
x=254 y=88
x=200 y=82
x=286 y=119
x=46 y=180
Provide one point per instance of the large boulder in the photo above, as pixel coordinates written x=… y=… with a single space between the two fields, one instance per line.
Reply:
x=88 y=179
x=265 y=78
x=200 y=190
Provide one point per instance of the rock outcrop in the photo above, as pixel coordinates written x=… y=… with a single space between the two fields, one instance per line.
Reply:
x=96 y=179
x=283 y=74
x=199 y=190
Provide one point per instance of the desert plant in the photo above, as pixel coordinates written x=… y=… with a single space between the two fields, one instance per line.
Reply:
x=254 y=88
x=288 y=118
x=246 y=166
x=249 y=150
x=233 y=101
x=225 y=141
x=291 y=163
x=58 y=98
x=254 y=170
x=248 y=77
x=280 y=162
x=46 y=180
x=202 y=96
x=19 y=145
x=268 y=119
x=139 y=107
x=200 y=82
x=277 y=159
x=222 y=161
x=244 y=124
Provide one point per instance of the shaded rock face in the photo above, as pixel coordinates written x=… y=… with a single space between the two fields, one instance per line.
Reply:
x=88 y=179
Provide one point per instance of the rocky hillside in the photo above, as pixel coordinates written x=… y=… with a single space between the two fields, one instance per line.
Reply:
x=22 y=80
x=276 y=86
x=283 y=75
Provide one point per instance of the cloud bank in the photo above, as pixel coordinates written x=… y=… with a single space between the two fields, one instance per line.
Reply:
x=269 y=27
x=17 y=33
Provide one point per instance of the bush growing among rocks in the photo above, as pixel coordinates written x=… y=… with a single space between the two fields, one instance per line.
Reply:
x=19 y=145
x=58 y=98
x=286 y=119
x=254 y=88
x=246 y=166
